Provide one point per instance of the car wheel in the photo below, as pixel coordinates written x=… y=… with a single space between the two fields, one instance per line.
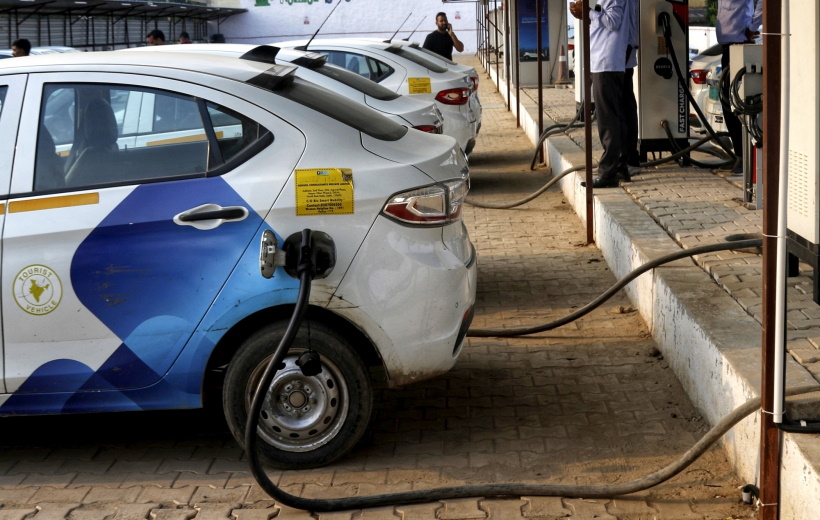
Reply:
x=306 y=421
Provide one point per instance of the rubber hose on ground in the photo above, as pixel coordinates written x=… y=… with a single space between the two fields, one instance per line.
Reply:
x=699 y=164
x=532 y=490
x=586 y=309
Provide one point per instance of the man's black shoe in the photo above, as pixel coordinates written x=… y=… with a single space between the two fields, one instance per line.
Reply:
x=605 y=182
x=624 y=176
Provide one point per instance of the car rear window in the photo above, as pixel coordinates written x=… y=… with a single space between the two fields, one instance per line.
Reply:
x=415 y=58
x=360 y=117
x=353 y=80
x=445 y=59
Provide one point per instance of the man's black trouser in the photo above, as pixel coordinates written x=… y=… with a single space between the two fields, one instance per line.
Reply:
x=608 y=93
x=630 y=124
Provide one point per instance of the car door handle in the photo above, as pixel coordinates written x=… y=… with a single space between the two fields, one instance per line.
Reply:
x=210 y=216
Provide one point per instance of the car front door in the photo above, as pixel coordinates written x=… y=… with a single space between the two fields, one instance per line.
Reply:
x=12 y=88
x=125 y=221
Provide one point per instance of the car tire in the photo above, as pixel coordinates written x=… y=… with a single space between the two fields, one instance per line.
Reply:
x=306 y=421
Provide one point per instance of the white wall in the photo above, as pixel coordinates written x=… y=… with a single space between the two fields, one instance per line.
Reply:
x=299 y=19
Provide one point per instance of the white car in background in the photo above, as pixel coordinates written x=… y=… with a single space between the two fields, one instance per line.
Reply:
x=407 y=73
x=475 y=102
x=147 y=201
x=408 y=111
x=704 y=73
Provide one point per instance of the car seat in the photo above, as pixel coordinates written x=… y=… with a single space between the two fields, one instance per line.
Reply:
x=48 y=167
x=96 y=146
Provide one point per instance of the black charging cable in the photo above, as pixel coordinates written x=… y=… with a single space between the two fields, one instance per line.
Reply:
x=620 y=284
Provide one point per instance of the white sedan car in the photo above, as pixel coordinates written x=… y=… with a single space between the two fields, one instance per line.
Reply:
x=475 y=103
x=405 y=72
x=409 y=111
x=704 y=72
x=146 y=202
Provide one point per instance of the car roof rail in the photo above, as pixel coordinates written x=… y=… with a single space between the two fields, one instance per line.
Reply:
x=274 y=78
x=311 y=60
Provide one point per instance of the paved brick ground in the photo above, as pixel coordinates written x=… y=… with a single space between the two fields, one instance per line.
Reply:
x=588 y=403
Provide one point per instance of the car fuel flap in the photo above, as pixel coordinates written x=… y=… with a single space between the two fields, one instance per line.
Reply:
x=438 y=156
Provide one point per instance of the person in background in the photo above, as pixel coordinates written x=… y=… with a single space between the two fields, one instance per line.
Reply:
x=184 y=37
x=155 y=37
x=443 y=40
x=630 y=126
x=738 y=22
x=609 y=27
x=21 y=47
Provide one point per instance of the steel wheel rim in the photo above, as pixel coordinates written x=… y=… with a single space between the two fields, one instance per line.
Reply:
x=300 y=413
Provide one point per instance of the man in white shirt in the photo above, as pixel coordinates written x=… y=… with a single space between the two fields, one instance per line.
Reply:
x=609 y=29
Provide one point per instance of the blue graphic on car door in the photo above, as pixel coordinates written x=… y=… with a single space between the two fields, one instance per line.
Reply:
x=150 y=281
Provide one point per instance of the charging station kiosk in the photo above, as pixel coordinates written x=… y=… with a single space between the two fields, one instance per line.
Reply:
x=661 y=95
x=804 y=141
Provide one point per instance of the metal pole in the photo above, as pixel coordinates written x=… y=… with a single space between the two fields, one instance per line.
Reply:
x=588 y=125
x=539 y=66
x=514 y=59
x=499 y=35
x=769 y=433
x=507 y=46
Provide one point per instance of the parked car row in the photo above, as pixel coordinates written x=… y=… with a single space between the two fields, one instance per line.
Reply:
x=145 y=203
x=704 y=73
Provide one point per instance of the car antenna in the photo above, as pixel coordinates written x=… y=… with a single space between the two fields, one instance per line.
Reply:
x=414 y=30
x=322 y=25
x=399 y=29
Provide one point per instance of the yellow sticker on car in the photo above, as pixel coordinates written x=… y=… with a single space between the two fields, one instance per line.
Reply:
x=419 y=85
x=327 y=191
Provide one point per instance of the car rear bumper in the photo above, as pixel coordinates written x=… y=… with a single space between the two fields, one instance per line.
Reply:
x=412 y=294
x=459 y=123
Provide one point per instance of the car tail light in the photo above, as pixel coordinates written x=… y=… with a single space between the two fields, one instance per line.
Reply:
x=454 y=96
x=430 y=129
x=432 y=205
x=699 y=76
x=571 y=47
x=475 y=82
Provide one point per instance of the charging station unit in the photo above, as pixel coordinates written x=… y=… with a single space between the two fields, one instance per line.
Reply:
x=804 y=140
x=749 y=59
x=660 y=94
x=578 y=26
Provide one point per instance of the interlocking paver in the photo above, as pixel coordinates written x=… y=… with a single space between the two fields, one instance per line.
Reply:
x=173 y=514
x=16 y=514
x=88 y=513
x=134 y=511
x=54 y=511
x=255 y=514
x=166 y=495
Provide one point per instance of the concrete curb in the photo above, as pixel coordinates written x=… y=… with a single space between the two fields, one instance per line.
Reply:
x=710 y=341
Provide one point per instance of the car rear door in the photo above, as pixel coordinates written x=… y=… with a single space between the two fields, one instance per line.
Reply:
x=12 y=88
x=124 y=224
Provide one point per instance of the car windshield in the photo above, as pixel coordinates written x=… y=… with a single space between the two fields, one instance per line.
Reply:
x=360 y=83
x=415 y=58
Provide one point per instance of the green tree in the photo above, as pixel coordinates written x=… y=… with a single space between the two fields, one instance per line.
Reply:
x=711 y=12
